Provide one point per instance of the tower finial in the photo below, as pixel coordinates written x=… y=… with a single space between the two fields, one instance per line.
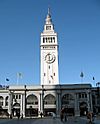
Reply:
x=48 y=18
x=48 y=10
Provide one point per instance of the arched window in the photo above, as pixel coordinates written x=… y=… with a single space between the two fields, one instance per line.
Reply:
x=66 y=99
x=32 y=99
x=49 y=99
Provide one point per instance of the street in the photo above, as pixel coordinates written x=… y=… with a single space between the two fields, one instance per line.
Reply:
x=71 y=120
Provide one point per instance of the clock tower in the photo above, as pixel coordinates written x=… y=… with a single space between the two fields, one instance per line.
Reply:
x=49 y=54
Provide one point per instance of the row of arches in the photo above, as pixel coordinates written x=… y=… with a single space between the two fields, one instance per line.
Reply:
x=49 y=101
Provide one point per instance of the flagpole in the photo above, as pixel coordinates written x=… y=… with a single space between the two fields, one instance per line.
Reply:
x=19 y=75
x=94 y=81
x=17 y=79
x=81 y=75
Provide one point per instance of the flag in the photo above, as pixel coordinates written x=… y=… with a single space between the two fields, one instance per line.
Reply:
x=81 y=75
x=19 y=75
x=93 y=78
x=7 y=79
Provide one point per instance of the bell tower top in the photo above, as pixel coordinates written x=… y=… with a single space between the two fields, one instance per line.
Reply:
x=48 y=18
x=48 y=27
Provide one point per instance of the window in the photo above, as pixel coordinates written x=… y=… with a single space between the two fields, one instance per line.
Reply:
x=43 y=40
x=51 y=39
x=16 y=96
x=19 y=96
x=48 y=27
x=54 y=39
x=6 y=101
x=50 y=99
x=79 y=95
x=46 y=40
x=1 y=101
x=85 y=95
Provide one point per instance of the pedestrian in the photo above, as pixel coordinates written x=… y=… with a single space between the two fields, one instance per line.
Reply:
x=18 y=115
x=65 y=116
x=89 y=116
x=41 y=114
x=62 y=114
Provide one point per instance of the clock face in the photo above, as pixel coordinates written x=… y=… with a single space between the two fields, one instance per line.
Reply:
x=50 y=58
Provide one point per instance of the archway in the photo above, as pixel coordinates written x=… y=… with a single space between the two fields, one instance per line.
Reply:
x=49 y=104
x=68 y=103
x=16 y=109
x=31 y=105
x=83 y=108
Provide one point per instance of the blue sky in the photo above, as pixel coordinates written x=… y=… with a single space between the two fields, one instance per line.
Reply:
x=77 y=23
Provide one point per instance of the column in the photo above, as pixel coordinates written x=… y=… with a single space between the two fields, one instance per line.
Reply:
x=21 y=106
x=4 y=101
x=58 y=104
x=77 y=111
x=42 y=103
x=39 y=105
x=24 y=104
x=91 y=106
x=88 y=99
x=10 y=103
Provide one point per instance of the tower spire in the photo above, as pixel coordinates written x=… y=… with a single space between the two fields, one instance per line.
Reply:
x=48 y=18
x=48 y=10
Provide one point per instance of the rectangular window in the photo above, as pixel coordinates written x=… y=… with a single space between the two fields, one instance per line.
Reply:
x=13 y=96
x=85 y=95
x=82 y=95
x=43 y=40
x=16 y=96
x=79 y=95
x=54 y=39
x=1 y=103
x=19 y=96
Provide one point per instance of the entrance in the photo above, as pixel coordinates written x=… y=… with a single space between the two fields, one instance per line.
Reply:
x=31 y=112
x=16 y=110
x=49 y=111
x=83 y=109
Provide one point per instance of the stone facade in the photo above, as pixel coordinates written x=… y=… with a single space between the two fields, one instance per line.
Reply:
x=31 y=100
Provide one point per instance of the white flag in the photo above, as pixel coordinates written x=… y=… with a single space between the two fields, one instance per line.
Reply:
x=19 y=75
